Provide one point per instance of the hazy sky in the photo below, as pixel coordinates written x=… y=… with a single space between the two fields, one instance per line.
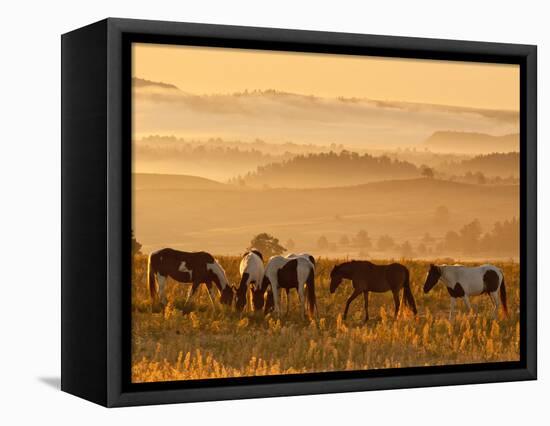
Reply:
x=201 y=70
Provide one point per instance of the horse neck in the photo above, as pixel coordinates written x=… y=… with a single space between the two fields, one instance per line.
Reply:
x=219 y=274
x=346 y=271
x=446 y=275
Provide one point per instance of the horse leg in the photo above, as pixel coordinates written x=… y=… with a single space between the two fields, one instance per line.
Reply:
x=191 y=293
x=351 y=299
x=366 y=296
x=249 y=302
x=396 y=302
x=494 y=298
x=276 y=300
x=301 y=296
x=452 y=308
x=162 y=289
x=211 y=294
x=287 y=301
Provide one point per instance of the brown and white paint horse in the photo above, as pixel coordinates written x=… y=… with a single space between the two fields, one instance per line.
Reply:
x=252 y=274
x=269 y=301
x=187 y=267
x=465 y=281
x=282 y=273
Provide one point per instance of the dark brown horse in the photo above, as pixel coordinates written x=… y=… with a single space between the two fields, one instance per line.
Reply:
x=367 y=276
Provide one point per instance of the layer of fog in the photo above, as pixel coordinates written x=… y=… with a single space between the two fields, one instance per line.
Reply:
x=281 y=117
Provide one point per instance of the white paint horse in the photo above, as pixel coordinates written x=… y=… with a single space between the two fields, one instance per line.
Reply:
x=187 y=267
x=292 y=256
x=463 y=281
x=282 y=273
x=252 y=274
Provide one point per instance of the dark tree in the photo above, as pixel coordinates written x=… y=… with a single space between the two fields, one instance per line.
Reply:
x=136 y=246
x=427 y=172
x=267 y=244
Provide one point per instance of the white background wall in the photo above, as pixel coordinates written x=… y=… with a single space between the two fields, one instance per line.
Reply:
x=30 y=200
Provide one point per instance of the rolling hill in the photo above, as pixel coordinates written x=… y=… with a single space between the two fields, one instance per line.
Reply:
x=222 y=219
x=159 y=182
x=471 y=142
x=329 y=170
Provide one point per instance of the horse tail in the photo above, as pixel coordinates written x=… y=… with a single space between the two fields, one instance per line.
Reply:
x=407 y=293
x=310 y=282
x=151 y=279
x=503 y=296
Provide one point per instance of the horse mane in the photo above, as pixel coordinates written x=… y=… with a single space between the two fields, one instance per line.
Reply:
x=217 y=270
x=338 y=268
x=257 y=253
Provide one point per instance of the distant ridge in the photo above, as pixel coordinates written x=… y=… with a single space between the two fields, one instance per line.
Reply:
x=462 y=142
x=141 y=82
x=417 y=186
x=328 y=170
x=159 y=182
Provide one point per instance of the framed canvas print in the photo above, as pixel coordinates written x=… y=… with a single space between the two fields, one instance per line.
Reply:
x=253 y=212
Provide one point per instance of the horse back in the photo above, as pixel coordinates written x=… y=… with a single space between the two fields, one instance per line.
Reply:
x=253 y=265
x=168 y=261
x=382 y=278
x=287 y=275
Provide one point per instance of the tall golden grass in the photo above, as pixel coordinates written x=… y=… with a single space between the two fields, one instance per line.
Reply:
x=207 y=343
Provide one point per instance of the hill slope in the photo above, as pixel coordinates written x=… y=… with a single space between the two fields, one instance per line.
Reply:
x=224 y=221
x=158 y=182
x=450 y=141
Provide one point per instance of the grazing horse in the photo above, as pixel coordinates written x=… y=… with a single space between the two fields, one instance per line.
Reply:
x=187 y=267
x=464 y=281
x=367 y=276
x=269 y=301
x=252 y=274
x=282 y=273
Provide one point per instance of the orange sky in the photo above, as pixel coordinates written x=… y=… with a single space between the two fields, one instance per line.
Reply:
x=206 y=70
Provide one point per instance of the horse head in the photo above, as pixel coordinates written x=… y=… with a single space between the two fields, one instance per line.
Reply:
x=227 y=294
x=336 y=278
x=432 y=278
x=240 y=298
x=258 y=294
x=269 y=303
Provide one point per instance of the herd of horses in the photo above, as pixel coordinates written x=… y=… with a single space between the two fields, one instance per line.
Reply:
x=261 y=285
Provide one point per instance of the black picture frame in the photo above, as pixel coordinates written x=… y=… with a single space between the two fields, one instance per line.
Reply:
x=96 y=209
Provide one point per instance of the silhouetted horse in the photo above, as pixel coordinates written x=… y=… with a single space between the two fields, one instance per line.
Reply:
x=187 y=267
x=367 y=276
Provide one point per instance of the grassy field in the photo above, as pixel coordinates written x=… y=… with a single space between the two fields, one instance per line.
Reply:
x=213 y=344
